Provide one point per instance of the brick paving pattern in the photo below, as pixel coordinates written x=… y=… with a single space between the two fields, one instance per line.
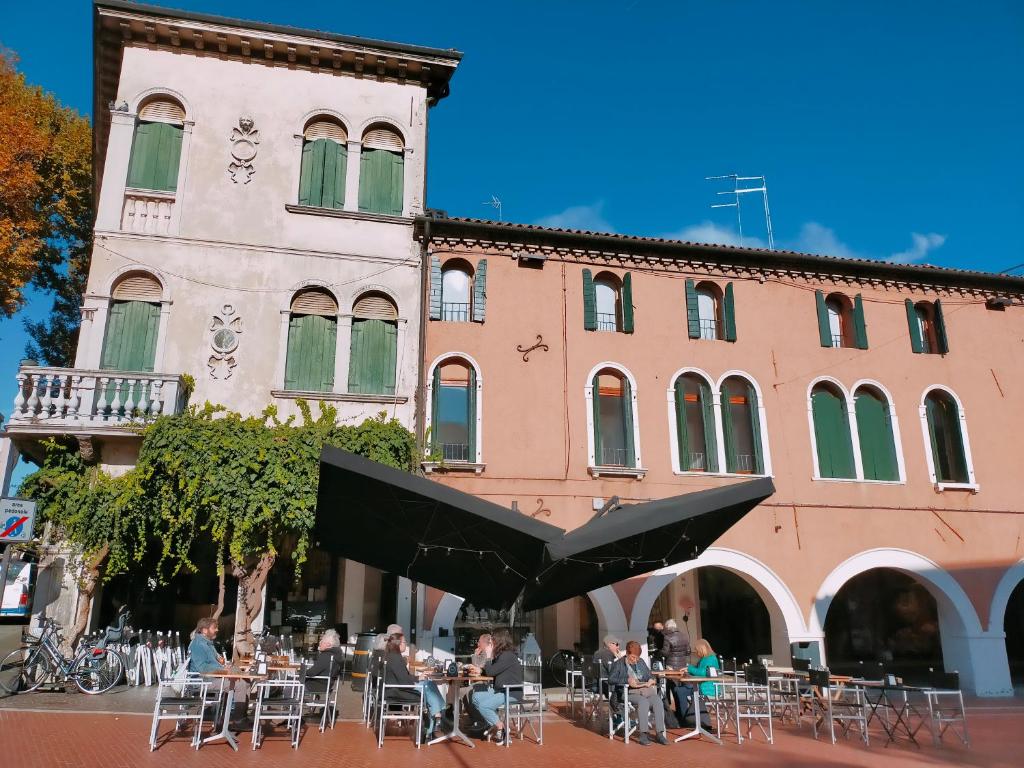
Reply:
x=76 y=739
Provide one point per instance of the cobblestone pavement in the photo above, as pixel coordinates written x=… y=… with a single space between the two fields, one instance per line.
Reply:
x=63 y=738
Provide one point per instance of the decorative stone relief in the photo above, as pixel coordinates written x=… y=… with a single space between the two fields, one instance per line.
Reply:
x=244 y=139
x=225 y=328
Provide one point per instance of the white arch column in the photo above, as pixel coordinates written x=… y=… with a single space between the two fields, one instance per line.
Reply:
x=979 y=656
x=787 y=623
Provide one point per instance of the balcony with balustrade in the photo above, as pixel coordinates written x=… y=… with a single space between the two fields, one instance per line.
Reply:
x=55 y=401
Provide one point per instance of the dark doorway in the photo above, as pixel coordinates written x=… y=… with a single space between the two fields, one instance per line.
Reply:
x=733 y=617
x=1014 y=626
x=884 y=616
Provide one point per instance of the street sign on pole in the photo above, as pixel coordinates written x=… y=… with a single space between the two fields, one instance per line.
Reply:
x=17 y=520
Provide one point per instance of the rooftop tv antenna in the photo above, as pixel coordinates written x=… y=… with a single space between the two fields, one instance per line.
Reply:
x=495 y=203
x=738 y=190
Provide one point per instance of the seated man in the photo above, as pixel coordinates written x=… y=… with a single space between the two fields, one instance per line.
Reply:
x=330 y=659
x=604 y=657
x=203 y=659
x=632 y=671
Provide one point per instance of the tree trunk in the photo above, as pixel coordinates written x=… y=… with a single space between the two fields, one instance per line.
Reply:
x=251 y=579
x=87 y=584
x=219 y=608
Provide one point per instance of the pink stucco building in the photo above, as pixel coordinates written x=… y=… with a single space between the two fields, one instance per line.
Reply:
x=881 y=398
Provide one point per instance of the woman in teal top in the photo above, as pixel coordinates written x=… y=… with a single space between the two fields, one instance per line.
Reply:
x=683 y=692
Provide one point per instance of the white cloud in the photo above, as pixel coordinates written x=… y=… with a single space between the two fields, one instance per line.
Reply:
x=819 y=239
x=709 y=232
x=922 y=244
x=589 y=217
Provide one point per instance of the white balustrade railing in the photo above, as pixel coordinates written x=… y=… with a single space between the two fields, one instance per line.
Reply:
x=76 y=397
x=147 y=212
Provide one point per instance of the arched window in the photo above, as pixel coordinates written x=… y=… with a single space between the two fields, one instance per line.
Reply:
x=324 y=163
x=382 y=172
x=374 y=351
x=453 y=435
x=456 y=291
x=613 y=420
x=695 y=424
x=927 y=327
x=156 y=146
x=710 y=311
x=312 y=340
x=841 y=321
x=832 y=432
x=741 y=427
x=133 y=324
x=607 y=302
x=949 y=459
x=875 y=433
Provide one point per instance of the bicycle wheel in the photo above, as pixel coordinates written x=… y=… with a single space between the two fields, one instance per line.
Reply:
x=97 y=672
x=24 y=669
x=559 y=665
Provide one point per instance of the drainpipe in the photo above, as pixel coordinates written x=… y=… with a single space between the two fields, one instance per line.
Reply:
x=421 y=377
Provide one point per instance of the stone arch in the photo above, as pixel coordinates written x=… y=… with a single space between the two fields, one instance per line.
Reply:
x=121 y=272
x=783 y=609
x=135 y=104
x=997 y=611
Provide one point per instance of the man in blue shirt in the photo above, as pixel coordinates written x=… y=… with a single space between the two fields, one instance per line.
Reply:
x=203 y=658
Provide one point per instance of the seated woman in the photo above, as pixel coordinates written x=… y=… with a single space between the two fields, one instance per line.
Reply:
x=632 y=671
x=397 y=673
x=329 y=662
x=683 y=692
x=504 y=666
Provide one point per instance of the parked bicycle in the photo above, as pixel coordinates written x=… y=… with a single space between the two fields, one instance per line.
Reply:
x=94 y=668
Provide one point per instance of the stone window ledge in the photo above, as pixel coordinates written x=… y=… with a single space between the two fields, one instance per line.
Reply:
x=344 y=397
x=971 y=487
x=452 y=466
x=635 y=472
x=337 y=213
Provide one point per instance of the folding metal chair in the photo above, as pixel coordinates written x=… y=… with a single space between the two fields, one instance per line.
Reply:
x=524 y=702
x=287 y=707
x=316 y=700
x=845 y=705
x=393 y=709
x=180 y=700
x=618 y=696
x=946 y=707
x=754 y=703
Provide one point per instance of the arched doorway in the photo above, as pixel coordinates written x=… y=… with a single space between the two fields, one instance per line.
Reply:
x=720 y=606
x=1013 y=624
x=883 y=615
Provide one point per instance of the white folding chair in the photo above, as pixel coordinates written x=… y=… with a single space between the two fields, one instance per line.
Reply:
x=395 y=709
x=524 y=703
x=316 y=700
x=846 y=706
x=754 y=704
x=287 y=707
x=620 y=694
x=180 y=700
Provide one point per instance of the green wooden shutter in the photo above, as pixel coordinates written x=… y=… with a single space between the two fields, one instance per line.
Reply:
x=707 y=407
x=390 y=358
x=306 y=173
x=309 y=366
x=860 y=329
x=372 y=363
x=728 y=433
x=316 y=174
x=156 y=151
x=692 y=311
x=435 y=412
x=932 y=415
x=627 y=421
x=682 y=438
x=330 y=173
x=914 y=325
x=356 y=358
x=471 y=414
x=435 y=287
x=129 y=343
x=480 y=292
x=381 y=181
x=589 y=302
x=754 y=411
x=877 y=446
x=941 y=339
x=627 y=303
x=824 y=329
x=596 y=403
x=949 y=459
x=729 y=311
x=832 y=434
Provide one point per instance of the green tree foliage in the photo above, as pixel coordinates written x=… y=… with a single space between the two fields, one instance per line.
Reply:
x=248 y=484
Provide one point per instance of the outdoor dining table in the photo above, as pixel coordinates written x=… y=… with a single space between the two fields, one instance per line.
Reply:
x=225 y=675
x=455 y=681
x=899 y=704
x=682 y=676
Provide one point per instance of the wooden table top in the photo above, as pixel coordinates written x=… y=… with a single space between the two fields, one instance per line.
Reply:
x=460 y=679
x=231 y=675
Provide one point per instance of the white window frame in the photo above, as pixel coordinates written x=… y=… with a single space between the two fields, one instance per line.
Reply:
x=673 y=441
x=762 y=417
x=972 y=484
x=93 y=332
x=593 y=467
x=478 y=463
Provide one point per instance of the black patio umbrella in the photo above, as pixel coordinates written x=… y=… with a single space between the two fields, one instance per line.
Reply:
x=426 y=531
x=636 y=538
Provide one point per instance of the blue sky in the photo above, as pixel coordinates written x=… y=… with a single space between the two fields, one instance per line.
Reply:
x=885 y=130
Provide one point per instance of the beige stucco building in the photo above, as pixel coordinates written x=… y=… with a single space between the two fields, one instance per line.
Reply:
x=880 y=398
